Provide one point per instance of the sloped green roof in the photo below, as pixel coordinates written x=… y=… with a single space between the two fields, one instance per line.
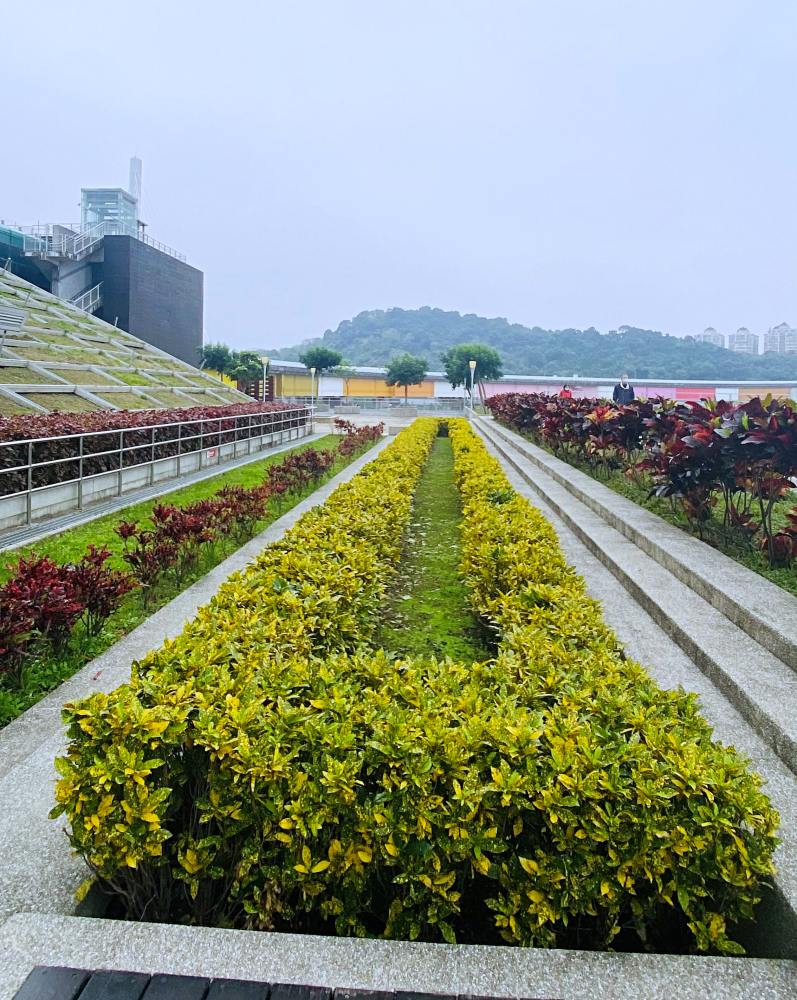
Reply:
x=114 y=369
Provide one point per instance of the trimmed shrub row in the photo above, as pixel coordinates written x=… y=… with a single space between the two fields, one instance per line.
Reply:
x=626 y=812
x=270 y=769
x=178 y=786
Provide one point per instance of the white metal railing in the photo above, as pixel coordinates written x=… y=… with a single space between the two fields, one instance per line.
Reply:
x=90 y=300
x=76 y=242
x=81 y=458
x=431 y=404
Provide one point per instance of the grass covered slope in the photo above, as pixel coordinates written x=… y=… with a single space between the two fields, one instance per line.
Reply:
x=271 y=768
x=121 y=370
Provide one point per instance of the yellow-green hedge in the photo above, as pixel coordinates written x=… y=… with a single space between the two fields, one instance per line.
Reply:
x=269 y=768
x=637 y=809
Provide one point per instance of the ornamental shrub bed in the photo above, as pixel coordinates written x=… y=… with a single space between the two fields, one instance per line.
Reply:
x=50 y=609
x=108 y=430
x=735 y=459
x=269 y=768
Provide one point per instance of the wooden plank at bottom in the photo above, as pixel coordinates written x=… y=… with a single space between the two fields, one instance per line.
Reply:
x=106 y=985
x=237 y=989
x=52 y=983
x=292 y=991
x=164 y=987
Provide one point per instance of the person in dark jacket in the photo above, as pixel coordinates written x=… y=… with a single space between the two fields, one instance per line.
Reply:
x=623 y=391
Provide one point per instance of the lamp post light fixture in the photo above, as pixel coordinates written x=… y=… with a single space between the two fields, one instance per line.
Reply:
x=264 y=361
x=472 y=366
x=312 y=387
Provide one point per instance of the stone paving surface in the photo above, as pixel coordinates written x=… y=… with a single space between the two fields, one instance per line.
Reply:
x=27 y=940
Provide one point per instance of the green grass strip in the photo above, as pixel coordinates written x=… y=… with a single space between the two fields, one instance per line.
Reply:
x=69 y=546
x=429 y=610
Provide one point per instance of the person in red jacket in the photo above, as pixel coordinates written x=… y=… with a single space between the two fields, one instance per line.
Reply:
x=566 y=392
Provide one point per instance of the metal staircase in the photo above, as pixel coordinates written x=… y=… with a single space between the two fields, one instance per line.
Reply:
x=90 y=300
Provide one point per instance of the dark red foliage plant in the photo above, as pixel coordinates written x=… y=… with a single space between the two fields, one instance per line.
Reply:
x=692 y=452
x=98 y=587
x=42 y=592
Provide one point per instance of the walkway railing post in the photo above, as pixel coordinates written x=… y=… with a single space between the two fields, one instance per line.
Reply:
x=29 y=499
x=121 y=461
x=80 y=476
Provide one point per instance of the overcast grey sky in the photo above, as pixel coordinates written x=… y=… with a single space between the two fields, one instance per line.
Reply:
x=556 y=162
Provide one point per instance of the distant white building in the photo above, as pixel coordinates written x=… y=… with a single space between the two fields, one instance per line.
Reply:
x=743 y=341
x=711 y=336
x=782 y=339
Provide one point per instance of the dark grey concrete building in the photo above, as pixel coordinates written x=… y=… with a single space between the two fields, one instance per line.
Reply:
x=107 y=265
x=152 y=295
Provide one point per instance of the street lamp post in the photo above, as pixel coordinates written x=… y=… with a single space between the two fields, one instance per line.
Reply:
x=312 y=387
x=264 y=362
x=472 y=366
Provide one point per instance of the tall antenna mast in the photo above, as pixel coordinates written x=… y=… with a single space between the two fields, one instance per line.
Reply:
x=135 y=180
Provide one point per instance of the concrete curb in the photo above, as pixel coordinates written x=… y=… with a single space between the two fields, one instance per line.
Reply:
x=478 y=970
x=762 y=609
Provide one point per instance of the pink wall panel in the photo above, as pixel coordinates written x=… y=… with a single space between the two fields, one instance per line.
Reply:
x=694 y=392
x=652 y=391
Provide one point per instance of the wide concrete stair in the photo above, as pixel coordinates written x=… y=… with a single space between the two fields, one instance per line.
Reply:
x=738 y=629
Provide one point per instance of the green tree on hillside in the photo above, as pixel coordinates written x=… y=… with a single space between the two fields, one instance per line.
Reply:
x=320 y=358
x=456 y=362
x=406 y=370
x=375 y=336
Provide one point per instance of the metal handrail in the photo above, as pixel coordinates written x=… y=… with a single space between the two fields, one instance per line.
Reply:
x=89 y=299
x=224 y=426
x=42 y=241
x=147 y=427
x=225 y=430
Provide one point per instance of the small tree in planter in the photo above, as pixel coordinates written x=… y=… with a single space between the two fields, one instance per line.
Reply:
x=406 y=370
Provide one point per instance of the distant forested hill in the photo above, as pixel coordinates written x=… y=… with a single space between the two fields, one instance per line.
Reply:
x=373 y=337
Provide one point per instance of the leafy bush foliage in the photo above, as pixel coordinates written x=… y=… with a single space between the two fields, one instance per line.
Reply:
x=635 y=811
x=107 y=431
x=44 y=601
x=268 y=768
x=693 y=452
